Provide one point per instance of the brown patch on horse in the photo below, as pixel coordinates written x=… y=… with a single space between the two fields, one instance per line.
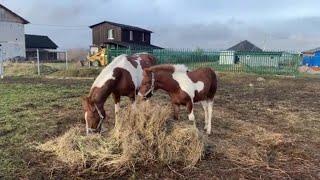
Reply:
x=147 y=60
x=163 y=67
x=133 y=60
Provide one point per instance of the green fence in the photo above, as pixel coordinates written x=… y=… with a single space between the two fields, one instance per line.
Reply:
x=269 y=62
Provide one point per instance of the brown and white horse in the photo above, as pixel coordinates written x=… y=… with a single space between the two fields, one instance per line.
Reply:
x=122 y=77
x=184 y=88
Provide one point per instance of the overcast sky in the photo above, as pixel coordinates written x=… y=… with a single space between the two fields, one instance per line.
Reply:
x=210 y=24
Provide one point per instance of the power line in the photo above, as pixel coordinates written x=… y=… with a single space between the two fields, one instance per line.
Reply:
x=63 y=26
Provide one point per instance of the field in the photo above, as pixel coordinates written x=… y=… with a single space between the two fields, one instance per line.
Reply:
x=268 y=128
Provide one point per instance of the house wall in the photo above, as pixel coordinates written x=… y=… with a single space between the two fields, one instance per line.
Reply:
x=227 y=57
x=137 y=37
x=260 y=60
x=12 y=40
x=8 y=17
x=100 y=34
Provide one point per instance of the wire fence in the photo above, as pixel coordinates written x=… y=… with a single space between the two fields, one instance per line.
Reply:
x=269 y=62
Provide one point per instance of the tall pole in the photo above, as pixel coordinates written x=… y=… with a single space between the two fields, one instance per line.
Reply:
x=38 y=62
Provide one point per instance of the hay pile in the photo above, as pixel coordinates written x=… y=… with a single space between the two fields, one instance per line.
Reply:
x=142 y=136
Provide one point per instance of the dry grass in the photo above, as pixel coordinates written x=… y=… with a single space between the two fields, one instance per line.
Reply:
x=141 y=137
x=27 y=69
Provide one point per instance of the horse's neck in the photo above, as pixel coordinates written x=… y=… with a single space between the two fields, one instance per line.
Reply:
x=99 y=95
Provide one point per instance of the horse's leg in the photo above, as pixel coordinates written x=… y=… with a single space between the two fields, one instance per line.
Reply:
x=133 y=100
x=175 y=111
x=210 y=106
x=116 y=99
x=190 y=111
x=205 y=108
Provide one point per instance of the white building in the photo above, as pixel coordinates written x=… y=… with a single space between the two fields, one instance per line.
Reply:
x=12 y=37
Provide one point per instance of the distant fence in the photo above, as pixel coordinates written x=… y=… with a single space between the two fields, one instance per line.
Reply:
x=279 y=62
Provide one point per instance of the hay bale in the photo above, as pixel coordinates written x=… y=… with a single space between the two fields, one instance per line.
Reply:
x=140 y=136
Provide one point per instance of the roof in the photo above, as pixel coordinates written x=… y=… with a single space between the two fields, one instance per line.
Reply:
x=245 y=46
x=311 y=51
x=37 y=41
x=135 y=45
x=124 y=26
x=24 y=21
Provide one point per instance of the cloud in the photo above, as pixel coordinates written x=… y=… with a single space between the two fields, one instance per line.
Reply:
x=219 y=24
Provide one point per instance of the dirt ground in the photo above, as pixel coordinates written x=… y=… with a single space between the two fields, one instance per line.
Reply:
x=265 y=128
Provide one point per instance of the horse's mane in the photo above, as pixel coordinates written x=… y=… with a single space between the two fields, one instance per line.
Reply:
x=169 y=67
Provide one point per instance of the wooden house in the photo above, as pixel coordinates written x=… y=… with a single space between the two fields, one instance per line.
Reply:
x=114 y=35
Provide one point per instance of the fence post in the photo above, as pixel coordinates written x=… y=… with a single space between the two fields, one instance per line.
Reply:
x=38 y=62
x=1 y=64
x=66 y=60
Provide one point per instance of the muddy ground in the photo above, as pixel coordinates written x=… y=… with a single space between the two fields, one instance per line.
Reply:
x=262 y=128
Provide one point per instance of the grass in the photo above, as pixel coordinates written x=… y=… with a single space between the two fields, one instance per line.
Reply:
x=28 y=114
x=261 y=129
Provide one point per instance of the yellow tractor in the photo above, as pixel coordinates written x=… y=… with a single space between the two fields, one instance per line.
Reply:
x=100 y=58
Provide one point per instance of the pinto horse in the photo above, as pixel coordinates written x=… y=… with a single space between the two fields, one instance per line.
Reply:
x=122 y=77
x=183 y=87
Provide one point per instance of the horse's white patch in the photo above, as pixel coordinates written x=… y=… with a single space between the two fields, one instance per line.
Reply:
x=191 y=116
x=205 y=108
x=141 y=53
x=186 y=84
x=116 y=108
x=86 y=119
x=120 y=62
x=139 y=73
x=180 y=67
x=210 y=105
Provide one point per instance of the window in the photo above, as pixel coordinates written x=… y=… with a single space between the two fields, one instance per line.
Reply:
x=110 y=34
x=143 y=39
x=131 y=35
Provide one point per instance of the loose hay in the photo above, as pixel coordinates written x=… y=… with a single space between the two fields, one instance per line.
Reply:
x=141 y=136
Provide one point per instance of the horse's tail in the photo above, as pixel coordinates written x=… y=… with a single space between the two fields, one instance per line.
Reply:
x=214 y=84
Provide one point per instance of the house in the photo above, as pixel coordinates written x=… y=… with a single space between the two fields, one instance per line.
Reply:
x=12 y=37
x=245 y=46
x=311 y=57
x=114 y=35
x=246 y=53
x=46 y=47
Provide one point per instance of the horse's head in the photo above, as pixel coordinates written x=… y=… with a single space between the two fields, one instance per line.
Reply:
x=148 y=84
x=93 y=116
